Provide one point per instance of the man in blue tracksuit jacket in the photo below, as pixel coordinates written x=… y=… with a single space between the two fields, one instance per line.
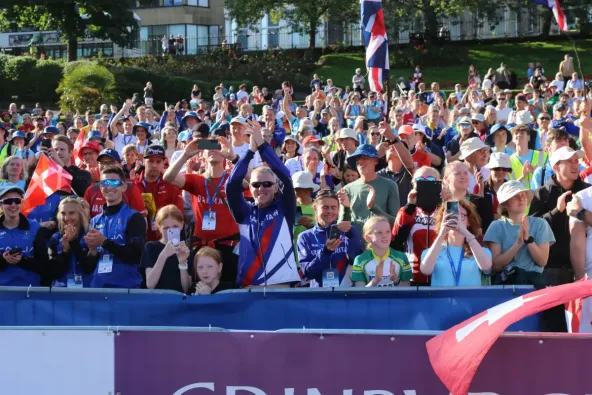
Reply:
x=116 y=237
x=266 y=250
x=324 y=260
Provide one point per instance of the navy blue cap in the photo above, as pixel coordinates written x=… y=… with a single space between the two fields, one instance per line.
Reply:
x=362 y=150
x=51 y=130
x=188 y=115
x=95 y=134
x=111 y=153
x=154 y=150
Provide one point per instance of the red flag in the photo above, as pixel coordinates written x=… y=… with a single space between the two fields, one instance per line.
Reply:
x=49 y=177
x=78 y=146
x=456 y=354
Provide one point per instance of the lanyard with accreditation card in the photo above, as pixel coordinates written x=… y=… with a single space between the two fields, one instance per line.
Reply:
x=209 y=218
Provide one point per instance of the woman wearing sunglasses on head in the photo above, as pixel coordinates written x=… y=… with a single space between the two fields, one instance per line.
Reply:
x=67 y=246
x=23 y=248
x=456 y=258
x=414 y=228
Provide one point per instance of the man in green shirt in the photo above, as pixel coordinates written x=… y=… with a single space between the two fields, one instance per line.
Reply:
x=370 y=194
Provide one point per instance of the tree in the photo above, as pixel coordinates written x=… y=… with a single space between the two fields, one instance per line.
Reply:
x=74 y=19
x=302 y=15
x=407 y=13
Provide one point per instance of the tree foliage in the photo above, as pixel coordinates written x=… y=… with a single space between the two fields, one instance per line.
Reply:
x=74 y=19
x=87 y=85
x=303 y=16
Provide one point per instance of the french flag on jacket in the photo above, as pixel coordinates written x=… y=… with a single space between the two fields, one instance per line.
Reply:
x=557 y=11
x=376 y=42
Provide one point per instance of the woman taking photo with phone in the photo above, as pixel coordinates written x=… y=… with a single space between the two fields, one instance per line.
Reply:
x=456 y=258
x=67 y=247
x=167 y=261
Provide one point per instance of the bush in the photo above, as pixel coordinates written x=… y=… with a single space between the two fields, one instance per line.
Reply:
x=86 y=86
x=31 y=79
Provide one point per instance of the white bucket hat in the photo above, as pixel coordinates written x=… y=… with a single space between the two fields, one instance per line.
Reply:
x=303 y=179
x=510 y=189
x=471 y=145
x=499 y=159
x=346 y=133
x=564 y=153
x=524 y=117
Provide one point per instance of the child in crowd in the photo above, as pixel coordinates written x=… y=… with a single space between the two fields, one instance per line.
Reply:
x=380 y=265
x=148 y=94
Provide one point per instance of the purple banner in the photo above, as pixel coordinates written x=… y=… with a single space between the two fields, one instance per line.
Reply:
x=194 y=363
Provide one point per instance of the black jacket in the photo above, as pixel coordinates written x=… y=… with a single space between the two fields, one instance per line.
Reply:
x=81 y=179
x=544 y=205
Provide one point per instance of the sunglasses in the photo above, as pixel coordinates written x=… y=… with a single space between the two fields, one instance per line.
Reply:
x=264 y=184
x=426 y=178
x=544 y=119
x=475 y=122
x=501 y=99
x=500 y=169
x=375 y=134
x=11 y=201
x=111 y=183
x=465 y=125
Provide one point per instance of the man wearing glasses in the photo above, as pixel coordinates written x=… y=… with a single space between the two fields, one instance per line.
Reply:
x=266 y=255
x=116 y=237
x=503 y=111
x=22 y=242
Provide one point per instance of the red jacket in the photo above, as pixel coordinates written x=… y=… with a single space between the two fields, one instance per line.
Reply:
x=132 y=197
x=164 y=194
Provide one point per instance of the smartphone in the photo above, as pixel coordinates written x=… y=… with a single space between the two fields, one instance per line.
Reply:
x=174 y=235
x=210 y=145
x=335 y=232
x=46 y=143
x=15 y=251
x=298 y=215
x=429 y=195
x=452 y=207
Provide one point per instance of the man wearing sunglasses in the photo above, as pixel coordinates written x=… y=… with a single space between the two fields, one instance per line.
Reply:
x=23 y=245
x=266 y=255
x=116 y=237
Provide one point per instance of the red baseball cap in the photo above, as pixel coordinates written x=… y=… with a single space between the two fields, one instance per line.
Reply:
x=312 y=139
x=89 y=144
x=406 y=130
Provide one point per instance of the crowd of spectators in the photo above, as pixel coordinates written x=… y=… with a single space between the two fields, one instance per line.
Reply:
x=352 y=188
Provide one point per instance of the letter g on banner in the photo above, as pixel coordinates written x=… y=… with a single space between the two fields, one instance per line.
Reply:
x=207 y=386
x=253 y=390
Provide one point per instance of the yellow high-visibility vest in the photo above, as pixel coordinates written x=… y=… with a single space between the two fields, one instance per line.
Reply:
x=538 y=159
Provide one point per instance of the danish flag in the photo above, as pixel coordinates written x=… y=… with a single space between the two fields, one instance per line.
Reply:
x=376 y=42
x=49 y=177
x=456 y=354
x=77 y=147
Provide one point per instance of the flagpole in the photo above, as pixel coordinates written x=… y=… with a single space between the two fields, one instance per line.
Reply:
x=573 y=43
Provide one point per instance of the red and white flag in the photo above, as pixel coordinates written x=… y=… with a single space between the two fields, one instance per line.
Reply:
x=77 y=147
x=456 y=354
x=49 y=177
x=557 y=12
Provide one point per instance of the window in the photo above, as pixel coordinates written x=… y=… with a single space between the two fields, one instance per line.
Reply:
x=214 y=33
x=199 y=3
x=172 y=3
x=151 y=4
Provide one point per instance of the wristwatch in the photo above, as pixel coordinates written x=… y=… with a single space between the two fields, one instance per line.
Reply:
x=235 y=160
x=581 y=215
x=184 y=266
x=395 y=140
x=529 y=240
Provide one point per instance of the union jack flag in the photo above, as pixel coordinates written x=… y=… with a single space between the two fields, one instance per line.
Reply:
x=375 y=41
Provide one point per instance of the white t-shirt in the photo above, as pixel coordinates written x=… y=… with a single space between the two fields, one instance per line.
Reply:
x=295 y=165
x=242 y=152
x=503 y=115
x=585 y=197
x=122 y=140
x=242 y=95
x=559 y=84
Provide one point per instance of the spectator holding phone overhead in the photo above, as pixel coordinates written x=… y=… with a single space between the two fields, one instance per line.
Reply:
x=519 y=244
x=266 y=255
x=116 y=237
x=166 y=261
x=414 y=229
x=327 y=251
x=380 y=265
x=23 y=242
x=214 y=224
x=456 y=258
